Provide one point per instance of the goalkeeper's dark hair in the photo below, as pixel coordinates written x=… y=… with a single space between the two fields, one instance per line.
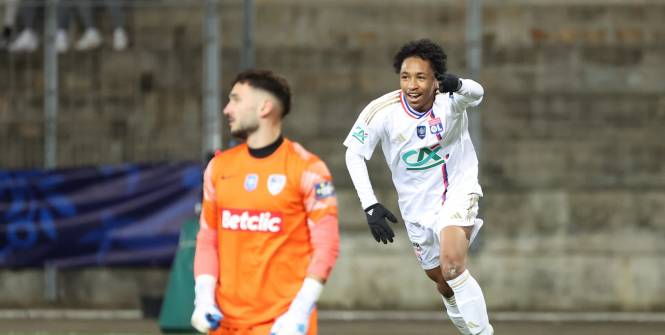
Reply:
x=268 y=81
x=427 y=50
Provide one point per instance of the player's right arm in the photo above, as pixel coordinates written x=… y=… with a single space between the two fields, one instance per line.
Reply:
x=467 y=92
x=375 y=212
x=360 y=143
x=206 y=315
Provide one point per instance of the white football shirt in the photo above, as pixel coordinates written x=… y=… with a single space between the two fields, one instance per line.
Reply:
x=430 y=155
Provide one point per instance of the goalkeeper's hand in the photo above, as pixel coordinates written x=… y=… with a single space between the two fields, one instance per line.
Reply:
x=296 y=319
x=206 y=318
x=291 y=323
x=206 y=315
x=376 y=219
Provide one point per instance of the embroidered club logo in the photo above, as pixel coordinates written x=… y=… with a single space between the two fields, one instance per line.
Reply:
x=251 y=181
x=360 y=134
x=324 y=189
x=435 y=126
x=276 y=183
x=420 y=131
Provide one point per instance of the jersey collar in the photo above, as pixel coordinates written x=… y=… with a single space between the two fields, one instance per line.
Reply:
x=410 y=111
x=267 y=150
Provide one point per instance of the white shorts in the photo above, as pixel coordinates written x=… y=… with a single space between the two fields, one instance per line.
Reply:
x=424 y=235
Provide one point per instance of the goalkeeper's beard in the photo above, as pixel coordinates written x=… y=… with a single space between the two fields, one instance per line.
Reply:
x=244 y=132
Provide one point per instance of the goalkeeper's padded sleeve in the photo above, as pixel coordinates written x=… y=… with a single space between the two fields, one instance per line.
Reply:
x=324 y=236
x=205 y=257
x=320 y=202
x=355 y=163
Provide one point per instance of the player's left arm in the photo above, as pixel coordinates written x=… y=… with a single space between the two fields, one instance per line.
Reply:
x=466 y=92
x=320 y=203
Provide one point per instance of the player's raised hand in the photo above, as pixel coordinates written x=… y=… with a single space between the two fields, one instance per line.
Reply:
x=376 y=219
x=206 y=318
x=450 y=83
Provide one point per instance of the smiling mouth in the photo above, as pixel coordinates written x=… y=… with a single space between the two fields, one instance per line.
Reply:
x=413 y=96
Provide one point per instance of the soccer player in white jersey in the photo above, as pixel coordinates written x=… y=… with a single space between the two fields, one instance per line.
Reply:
x=423 y=131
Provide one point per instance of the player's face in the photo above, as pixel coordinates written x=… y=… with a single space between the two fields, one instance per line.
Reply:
x=242 y=110
x=417 y=81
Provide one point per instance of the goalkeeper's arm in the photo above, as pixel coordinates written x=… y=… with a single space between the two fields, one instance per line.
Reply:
x=325 y=241
x=206 y=315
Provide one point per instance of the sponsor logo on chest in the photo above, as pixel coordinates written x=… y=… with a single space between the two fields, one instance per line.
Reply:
x=424 y=158
x=251 y=220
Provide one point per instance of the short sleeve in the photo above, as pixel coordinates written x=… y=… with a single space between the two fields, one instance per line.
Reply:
x=366 y=131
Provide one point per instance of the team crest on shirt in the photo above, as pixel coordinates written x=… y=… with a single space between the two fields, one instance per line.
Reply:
x=435 y=126
x=420 y=131
x=251 y=181
x=276 y=183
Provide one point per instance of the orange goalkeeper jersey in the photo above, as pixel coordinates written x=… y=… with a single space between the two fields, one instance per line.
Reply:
x=263 y=211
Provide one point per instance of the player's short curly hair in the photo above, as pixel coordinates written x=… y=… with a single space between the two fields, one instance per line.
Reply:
x=268 y=81
x=425 y=49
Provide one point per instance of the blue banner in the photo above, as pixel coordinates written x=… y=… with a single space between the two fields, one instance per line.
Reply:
x=114 y=215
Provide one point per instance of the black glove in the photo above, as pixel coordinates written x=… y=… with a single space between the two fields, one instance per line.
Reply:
x=376 y=219
x=449 y=83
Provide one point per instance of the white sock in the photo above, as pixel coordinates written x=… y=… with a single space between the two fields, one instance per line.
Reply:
x=470 y=302
x=455 y=316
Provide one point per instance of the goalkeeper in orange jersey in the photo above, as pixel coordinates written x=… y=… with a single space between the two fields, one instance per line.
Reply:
x=268 y=236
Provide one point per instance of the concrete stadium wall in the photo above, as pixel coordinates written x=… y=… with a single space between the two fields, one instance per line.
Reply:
x=573 y=149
